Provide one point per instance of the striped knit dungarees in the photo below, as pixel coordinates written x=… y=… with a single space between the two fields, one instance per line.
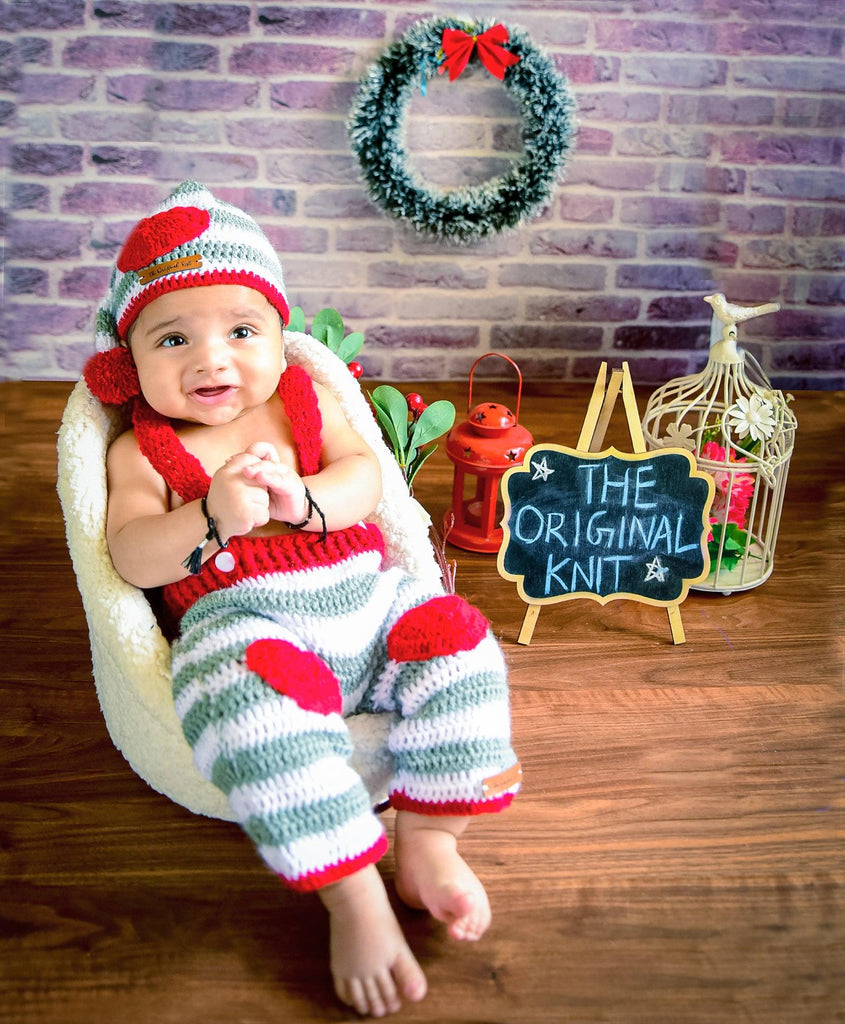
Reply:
x=281 y=637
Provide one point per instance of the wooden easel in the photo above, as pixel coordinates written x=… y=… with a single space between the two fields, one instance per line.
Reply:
x=599 y=410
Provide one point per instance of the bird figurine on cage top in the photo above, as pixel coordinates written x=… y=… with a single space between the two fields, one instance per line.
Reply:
x=741 y=431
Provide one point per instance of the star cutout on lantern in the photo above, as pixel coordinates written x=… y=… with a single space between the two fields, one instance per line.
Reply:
x=542 y=470
x=468 y=453
x=512 y=455
x=656 y=570
x=480 y=416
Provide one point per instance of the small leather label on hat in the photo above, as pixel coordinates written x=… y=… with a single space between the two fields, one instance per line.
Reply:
x=502 y=782
x=169 y=267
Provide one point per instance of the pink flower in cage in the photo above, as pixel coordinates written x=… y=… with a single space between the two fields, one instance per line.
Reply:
x=734 y=491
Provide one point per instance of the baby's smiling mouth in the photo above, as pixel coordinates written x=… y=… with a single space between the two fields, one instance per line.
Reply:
x=213 y=391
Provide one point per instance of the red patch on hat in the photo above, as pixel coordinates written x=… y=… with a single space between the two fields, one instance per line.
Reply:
x=154 y=236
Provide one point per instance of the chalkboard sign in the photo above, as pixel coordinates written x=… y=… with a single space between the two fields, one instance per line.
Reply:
x=605 y=525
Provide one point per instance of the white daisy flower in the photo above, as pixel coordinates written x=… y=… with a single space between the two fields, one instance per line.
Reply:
x=679 y=435
x=754 y=416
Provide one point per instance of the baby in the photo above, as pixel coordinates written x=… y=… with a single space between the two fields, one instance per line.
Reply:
x=240 y=493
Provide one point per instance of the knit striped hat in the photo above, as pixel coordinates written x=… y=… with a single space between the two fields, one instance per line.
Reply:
x=193 y=239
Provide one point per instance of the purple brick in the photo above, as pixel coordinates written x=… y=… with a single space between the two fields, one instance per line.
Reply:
x=426 y=274
x=422 y=336
x=818 y=220
x=654 y=36
x=693 y=109
x=322 y=22
x=29 y=196
x=811 y=112
x=569 y=338
x=369 y=239
x=751 y=148
x=619 y=106
x=110 y=52
x=562 y=276
x=51 y=318
x=339 y=203
x=821 y=356
x=676 y=72
x=790 y=75
x=260 y=202
x=826 y=291
x=35 y=50
x=326 y=97
x=43 y=15
x=678 y=307
x=611 y=174
x=46 y=239
x=182 y=93
x=807 y=382
x=288 y=133
x=773 y=40
x=654 y=141
x=418 y=368
x=586 y=69
x=209 y=166
x=559 y=242
x=166 y=56
x=589 y=208
x=56 y=89
x=655 y=211
x=799 y=324
x=209 y=19
x=100 y=125
x=644 y=369
x=687 y=245
x=27 y=281
x=280 y=58
x=665 y=277
x=789 y=183
x=651 y=336
x=298 y=238
x=98 y=197
x=126 y=160
x=329 y=169
x=761 y=219
x=750 y=289
x=459 y=305
x=46 y=158
x=599 y=308
x=85 y=283
x=785 y=252
x=701 y=178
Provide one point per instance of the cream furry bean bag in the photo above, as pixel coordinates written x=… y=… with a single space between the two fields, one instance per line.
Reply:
x=131 y=657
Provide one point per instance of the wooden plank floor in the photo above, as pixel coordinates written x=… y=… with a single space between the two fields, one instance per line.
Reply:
x=676 y=856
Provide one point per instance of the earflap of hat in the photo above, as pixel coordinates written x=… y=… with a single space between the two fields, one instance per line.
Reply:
x=112 y=377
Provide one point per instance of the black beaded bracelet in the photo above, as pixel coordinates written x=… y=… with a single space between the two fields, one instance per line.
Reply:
x=312 y=508
x=193 y=563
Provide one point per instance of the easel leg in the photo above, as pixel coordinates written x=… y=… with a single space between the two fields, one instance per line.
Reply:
x=678 y=635
x=528 y=624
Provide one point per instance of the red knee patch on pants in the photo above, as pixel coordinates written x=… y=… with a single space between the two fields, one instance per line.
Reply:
x=297 y=674
x=443 y=625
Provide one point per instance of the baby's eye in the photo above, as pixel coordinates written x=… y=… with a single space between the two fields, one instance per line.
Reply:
x=172 y=341
x=242 y=332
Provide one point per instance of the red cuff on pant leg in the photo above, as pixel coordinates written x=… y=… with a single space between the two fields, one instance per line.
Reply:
x=334 y=873
x=441 y=626
x=450 y=808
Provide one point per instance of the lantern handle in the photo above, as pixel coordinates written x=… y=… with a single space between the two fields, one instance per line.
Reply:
x=501 y=355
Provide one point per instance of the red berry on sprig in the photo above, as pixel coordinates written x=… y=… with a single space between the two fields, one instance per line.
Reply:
x=416 y=405
x=356 y=369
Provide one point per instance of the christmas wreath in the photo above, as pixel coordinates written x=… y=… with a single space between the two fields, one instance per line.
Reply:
x=376 y=126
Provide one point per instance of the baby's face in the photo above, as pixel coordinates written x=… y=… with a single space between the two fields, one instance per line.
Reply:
x=208 y=355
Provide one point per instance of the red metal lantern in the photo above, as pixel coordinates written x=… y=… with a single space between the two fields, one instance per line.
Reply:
x=486 y=444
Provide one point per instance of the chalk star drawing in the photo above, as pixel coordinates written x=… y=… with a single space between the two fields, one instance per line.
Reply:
x=656 y=571
x=542 y=470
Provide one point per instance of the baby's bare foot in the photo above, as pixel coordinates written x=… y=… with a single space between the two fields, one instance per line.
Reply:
x=372 y=965
x=432 y=875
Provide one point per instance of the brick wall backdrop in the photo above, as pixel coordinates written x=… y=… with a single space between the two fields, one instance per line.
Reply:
x=709 y=157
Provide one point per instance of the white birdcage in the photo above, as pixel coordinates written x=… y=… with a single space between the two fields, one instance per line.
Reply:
x=741 y=431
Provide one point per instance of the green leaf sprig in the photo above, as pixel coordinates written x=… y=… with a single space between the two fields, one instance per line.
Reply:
x=410 y=428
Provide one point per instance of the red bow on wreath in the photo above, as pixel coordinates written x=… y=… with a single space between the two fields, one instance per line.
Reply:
x=458 y=47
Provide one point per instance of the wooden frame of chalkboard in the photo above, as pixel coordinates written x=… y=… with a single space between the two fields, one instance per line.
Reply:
x=605 y=525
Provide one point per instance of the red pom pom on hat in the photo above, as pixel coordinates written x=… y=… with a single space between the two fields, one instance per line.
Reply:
x=112 y=377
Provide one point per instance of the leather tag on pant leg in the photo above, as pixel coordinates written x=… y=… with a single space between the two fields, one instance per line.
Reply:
x=501 y=783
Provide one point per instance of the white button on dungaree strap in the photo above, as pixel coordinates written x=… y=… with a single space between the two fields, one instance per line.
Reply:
x=224 y=561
